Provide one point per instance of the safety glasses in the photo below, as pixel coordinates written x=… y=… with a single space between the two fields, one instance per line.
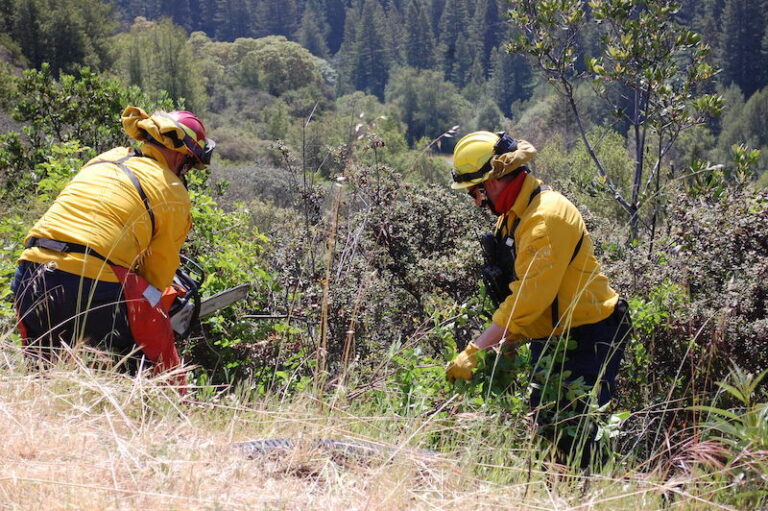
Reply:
x=203 y=155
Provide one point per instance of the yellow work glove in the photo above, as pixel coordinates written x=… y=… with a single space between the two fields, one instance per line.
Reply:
x=462 y=366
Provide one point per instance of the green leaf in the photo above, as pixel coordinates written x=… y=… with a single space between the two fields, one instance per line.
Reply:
x=717 y=411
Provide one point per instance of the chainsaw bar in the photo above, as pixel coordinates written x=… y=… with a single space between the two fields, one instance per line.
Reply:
x=223 y=299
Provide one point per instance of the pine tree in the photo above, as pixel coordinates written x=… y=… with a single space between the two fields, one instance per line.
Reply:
x=6 y=16
x=311 y=32
x=436 y=8
x=155 y=56
x=395 y=36
x=371 y=59
x=467 y=53
x=511 y=79
x=179 y=11
x=345 y=58
x=488 y=28
x=335 y=12
x=743 y=30
x=418 y=39
x=276 y=17
x=27 y=32
x=63 y=33
x=232 y=19
x=203 y=12
x=452 y=28
x=707 y=22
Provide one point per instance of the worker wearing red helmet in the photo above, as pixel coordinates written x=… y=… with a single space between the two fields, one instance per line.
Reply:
x=98 y=266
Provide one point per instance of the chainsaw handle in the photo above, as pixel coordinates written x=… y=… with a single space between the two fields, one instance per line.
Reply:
x=190 y=276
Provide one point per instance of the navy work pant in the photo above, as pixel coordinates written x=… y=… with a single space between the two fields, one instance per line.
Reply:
x=58 y=307
x=591 y=363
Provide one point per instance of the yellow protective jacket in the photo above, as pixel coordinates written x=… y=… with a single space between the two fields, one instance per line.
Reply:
x=101 y=209
x=546 y=237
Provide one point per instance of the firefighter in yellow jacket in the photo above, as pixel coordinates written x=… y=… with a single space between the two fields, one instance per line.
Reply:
x=546 y=282
x=98 y=266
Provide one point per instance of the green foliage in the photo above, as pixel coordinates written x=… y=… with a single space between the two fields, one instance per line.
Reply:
x=652 y=314
x=660 y=68
x=247 y=76
x=65 y=34
x=419 y=39
x=700 y=296
x=275 y=17
x=360 y=129
x=230 y=250
x=13 y=229
x=511 y=79
x=611 y=148
x=419 y=380
x=381 y=263
x=400 y=256
x=744 y=124
x=82 y=109
x=717 y=180
x=451 y=39
x=743 y=430
x=277 y=65
x=501 y=379
x=313 y=29
x=155 y=57
x=743 y=26
x=428 y=105
x=366 y=55
x=60 y=166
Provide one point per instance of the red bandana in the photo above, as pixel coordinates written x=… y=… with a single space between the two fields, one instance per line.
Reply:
x=509 y=194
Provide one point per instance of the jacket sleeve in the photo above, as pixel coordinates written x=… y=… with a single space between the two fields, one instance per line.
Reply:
x=545 y=244
x=172 y=224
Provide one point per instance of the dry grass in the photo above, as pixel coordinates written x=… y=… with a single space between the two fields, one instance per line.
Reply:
x=74 y=438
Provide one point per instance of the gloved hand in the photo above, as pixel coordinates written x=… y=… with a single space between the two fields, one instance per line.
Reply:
x=462 y=366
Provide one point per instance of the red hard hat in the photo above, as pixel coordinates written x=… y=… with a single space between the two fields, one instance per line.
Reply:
x=197 y=144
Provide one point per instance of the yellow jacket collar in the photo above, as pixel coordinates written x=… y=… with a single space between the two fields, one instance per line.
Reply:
x=521 y=204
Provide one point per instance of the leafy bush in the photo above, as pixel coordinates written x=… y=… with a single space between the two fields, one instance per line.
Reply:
x=699 y=306
x=743 y=430
x=83 y=109
x=399 y=255
x=230 y=250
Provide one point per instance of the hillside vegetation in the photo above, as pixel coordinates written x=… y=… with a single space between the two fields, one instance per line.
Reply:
x=334 y=122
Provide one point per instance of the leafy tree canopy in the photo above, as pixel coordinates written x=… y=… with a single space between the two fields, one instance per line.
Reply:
x=427 y=103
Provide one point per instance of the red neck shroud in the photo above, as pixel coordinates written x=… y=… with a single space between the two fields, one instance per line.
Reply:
x=509 y=194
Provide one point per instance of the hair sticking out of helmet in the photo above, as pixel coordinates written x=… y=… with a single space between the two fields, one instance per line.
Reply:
x=197 y=144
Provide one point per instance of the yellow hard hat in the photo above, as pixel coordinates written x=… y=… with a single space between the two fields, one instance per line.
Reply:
x=472 y=158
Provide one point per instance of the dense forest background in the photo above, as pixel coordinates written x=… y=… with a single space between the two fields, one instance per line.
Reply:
x=335 y=122
x=435 y=63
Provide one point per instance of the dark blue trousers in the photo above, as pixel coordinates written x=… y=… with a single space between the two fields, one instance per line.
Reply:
x=594 y=358
x=58 y=307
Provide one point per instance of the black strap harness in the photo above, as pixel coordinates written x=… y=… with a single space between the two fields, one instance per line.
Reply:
x=67 y=246
x=500 y=262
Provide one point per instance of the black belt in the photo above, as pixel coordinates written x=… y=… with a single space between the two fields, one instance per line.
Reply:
x=64 y=246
